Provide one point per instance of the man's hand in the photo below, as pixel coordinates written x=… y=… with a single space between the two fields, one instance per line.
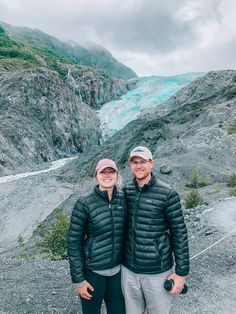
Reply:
x=179 y=283
x=83 y=291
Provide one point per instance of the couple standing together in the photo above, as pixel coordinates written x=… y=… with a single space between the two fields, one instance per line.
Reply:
x=128 y=241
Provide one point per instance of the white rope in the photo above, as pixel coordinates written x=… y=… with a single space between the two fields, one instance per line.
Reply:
x=209 y=247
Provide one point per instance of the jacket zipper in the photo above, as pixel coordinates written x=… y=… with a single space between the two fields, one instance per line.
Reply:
x=158 y=252
x=113 y=231
x=133 y=225
x=89 y=249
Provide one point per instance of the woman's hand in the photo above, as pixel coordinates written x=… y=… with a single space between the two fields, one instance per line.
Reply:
x=83 y=291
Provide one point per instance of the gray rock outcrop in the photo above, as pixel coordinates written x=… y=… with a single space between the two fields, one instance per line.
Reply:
x=165 y=168
x=41 y=119
x=94 y=87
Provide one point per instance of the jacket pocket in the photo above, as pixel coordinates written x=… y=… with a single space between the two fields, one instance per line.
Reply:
x=158 y=253
x=88 y=249
x=168 y=240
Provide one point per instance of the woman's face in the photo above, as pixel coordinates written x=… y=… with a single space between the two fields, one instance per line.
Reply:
x=107 y=178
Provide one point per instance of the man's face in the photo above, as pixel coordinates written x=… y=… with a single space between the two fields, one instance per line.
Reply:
x=141 y=168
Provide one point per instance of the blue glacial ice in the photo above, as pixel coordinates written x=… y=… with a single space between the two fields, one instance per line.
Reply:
x=149 y=93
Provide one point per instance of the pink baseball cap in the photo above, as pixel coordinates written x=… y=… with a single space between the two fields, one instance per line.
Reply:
x=106 y=163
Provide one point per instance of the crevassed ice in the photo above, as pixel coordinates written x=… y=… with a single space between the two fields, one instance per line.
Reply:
x=150 y=92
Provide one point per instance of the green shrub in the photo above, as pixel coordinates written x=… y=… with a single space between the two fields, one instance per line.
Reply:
x=21 y=240
x=197 y=180
x=232 y=130
x=232 y=192
x=53 y=243
x=23 y=253
x=193 y=199
x=232 y=181
x=232 y=184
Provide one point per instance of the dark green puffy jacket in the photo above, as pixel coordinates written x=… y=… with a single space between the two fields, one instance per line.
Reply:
x=104 y=224
x=156 y=229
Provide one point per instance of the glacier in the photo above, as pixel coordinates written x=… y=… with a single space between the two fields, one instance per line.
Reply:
x=148 y=93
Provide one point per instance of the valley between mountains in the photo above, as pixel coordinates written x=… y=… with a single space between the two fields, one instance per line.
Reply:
x=62 y=101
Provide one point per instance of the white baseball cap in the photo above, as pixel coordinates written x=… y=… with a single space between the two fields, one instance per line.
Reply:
x=141 y=151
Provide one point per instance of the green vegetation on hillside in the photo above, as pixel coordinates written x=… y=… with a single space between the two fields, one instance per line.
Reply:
x=197 y=180
x=22 y=244
x=11 y=49
x=14 y=54
x=232 y=185
x=232 y=130
x=232 y=181
x=50 y=47
x=232 y=192
x=193 y=199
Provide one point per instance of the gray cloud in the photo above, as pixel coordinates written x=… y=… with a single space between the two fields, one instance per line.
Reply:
x=153 y=37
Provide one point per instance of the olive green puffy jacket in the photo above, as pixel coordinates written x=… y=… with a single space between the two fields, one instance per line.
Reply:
x=156 y=229
x=103 y=223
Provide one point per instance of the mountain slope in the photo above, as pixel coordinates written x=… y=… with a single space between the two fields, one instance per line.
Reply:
x=193 y=130
x=41 y=119
x=95 y=56
x=45 y=104
x=93 y=86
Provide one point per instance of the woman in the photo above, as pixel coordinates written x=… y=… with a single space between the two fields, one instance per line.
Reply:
x=95 y=243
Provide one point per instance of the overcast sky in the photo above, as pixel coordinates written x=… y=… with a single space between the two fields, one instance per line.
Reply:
x=152 y=37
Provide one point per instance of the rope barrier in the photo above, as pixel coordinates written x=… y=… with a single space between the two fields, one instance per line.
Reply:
x=209 y=247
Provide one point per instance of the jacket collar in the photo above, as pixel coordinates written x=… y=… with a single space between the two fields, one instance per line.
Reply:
x=151 y=182
x=104 y=194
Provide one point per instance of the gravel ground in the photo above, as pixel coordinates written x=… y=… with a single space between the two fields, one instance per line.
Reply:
x=36 y=286
x=26 y=202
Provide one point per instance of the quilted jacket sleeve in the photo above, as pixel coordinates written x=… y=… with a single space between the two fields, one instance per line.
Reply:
x=77 y=231
x=178 y=233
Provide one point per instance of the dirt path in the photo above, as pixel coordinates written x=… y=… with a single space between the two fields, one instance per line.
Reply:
x=26 y=199
x=213 y=273
x=28 y=286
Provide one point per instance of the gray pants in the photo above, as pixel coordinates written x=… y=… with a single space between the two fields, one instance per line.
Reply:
x=145 y=292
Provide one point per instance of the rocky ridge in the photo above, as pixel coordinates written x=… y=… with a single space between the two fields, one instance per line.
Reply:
x=94 y=87
x=42 y=119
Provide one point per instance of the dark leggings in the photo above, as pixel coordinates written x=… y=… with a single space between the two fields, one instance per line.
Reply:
x=107 y=288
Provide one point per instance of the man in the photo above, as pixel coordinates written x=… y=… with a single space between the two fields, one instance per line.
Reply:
x=156 y=239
